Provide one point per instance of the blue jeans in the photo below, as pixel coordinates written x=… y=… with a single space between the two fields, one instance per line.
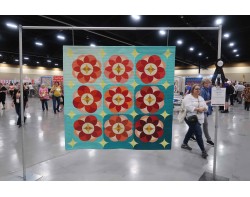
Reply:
x=194 y=128
x=56 y=103
x=44 y=104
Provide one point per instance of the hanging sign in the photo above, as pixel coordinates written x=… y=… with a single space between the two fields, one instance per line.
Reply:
x=218 y=96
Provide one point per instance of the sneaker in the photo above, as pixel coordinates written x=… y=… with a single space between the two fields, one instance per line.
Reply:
x=224 y=111
x=193 y=139
x=209 y=142
x=204 y=154
x=185 y=146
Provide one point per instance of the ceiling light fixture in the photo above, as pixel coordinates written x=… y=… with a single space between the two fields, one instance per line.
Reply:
x=60 y=37
x=200 y=54
x=26 y=58
x=235 y=50
x=56 y=64
x=237 y=55
x=136 y=17
x=11 y=25
x=0 y=55
x=39 y=43
x=92 y=45
x=48 y=61
x=37 y=62
x=231 y=44
x=191 y=49
x=226 y=35
x=218 y=21
x=179 y=42
x=16 y=60
x=162 y=32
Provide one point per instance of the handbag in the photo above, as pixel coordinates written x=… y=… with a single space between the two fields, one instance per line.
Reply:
x=192 y=119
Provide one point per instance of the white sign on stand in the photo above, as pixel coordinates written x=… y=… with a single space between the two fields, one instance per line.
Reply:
x=218 y=96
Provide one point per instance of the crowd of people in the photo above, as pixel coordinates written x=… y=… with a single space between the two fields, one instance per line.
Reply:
x=197 y=108
x=44 y=94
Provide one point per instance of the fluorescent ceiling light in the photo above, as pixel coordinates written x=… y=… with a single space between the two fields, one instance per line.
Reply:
x=200 y=54
x=61 y=37
x=26 y=58
x=237 y=55
x=92 y=45
x=191 y=48
x=11 y=25
x=56 y=64
x=0 y=55
x=37 y=62
x=39 y=43
x=162 y=32
x=179 y=42
x=16 y=60
x=235 y=50
x=219 y=21
x=136 y=17
x=49 y=61
x=231 y=44
x=226 y=35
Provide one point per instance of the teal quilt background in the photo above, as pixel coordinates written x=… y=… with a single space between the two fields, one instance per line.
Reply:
x=118 y=97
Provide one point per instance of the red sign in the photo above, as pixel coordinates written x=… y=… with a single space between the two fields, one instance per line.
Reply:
x=58 y=78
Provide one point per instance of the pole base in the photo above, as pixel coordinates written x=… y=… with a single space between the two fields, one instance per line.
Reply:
x=207 y=176
x=31 y=176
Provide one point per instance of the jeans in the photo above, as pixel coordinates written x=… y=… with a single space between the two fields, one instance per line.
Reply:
x=44 y=104
x=18 y=111
x=205 y=128
x=56 y=103
x=194 y=128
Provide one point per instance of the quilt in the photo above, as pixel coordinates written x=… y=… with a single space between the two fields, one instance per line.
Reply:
x=118 y=97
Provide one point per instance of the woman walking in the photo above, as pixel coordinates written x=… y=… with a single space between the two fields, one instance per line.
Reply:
x=195 y=107
x=56 y=92
x=44 y=96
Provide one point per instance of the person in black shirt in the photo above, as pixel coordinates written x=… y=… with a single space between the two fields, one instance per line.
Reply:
x=17 y=103
x=3 y=92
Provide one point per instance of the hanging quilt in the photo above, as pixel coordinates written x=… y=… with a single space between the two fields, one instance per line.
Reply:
x=118 y=97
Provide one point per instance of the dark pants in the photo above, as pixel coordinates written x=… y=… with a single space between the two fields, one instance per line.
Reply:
x=44 y=104
x=2 y=99
x=18 y=111
x=231 y=99
x=56 y=103
x=194 y=128
x=247 y=105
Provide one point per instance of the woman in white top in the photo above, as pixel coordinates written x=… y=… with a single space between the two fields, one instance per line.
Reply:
x=195 y=105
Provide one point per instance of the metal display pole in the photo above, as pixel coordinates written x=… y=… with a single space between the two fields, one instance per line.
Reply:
x=217 y=108
x=111 y=28
x=22 y=101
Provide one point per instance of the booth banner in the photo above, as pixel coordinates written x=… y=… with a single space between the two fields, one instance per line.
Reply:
x=193 y=80
x=47 y=81
x=58 y=78
x=118 y=97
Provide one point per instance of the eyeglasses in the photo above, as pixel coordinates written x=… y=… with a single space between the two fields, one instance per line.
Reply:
x=197 y=89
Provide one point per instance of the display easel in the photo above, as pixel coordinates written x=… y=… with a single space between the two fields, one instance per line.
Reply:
x=219 y=28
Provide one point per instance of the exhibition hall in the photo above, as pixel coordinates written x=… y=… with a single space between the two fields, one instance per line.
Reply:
x=124 y=98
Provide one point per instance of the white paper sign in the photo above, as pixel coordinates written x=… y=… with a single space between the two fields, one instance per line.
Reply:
x=218 y=97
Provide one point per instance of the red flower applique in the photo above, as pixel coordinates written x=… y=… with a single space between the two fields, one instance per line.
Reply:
x=86 y=68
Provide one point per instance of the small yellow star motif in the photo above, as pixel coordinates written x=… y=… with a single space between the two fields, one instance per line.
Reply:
x=167 y=53
x=164 y=143
x=102 y=53
x=135 y=53
x=103 y=142
x=150 y=69
x=134 y=84
x=72 y=143
x=71 y=114
x=71 y=84
x=103 y=114
x=133 y=143
x=70 y=53
x=166 y=84
x=165 y=114
x=134 y=114
x=103 y=84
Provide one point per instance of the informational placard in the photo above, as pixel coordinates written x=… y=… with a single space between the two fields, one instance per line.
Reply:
x=218 y=97
x=118 y=97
